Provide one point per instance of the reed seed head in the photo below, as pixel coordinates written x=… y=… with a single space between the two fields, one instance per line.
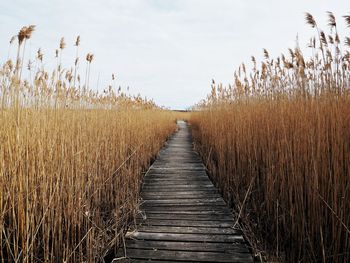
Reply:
x=25 y=33
x=13 y=38
x=331 y=20
x=89 y=57
x=62 y=43
x=40 y=55
x=266 y=54
x=347 y=20
x=77 y=41
x=310 y=20
x=347 y=41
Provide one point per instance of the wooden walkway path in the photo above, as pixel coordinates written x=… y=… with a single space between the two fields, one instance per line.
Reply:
x=182 y=216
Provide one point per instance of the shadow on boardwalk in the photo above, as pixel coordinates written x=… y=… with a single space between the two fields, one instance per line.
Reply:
x=182 y=216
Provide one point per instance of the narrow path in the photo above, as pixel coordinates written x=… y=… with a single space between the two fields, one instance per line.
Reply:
x=183 y=218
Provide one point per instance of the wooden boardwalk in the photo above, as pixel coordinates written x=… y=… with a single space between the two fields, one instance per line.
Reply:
x=182 y=216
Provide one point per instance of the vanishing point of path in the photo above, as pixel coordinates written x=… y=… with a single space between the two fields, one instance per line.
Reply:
x=182 y=216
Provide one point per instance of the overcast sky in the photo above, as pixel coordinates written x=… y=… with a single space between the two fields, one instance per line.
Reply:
x=168 y=50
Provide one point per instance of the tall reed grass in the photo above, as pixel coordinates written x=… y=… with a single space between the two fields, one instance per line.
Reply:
x=71 y=160
x=277 y=142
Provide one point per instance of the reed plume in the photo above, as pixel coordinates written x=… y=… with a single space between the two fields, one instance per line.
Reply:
x=277 y=144
x=71 y=162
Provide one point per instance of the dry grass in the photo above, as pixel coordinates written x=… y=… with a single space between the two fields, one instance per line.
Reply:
x=278 y=144
x=71 y=161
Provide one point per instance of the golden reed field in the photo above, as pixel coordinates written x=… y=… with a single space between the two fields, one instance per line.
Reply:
x=71 y=160
x=277 y=142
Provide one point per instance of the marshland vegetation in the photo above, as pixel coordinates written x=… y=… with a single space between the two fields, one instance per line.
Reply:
x=277 y=142
x=71 y=158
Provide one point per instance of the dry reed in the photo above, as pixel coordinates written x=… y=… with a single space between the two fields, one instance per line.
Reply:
x=277 y=142
x=71 y=161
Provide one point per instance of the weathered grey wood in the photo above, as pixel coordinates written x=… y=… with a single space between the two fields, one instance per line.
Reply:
x=188 y=246
x=188 y=237
x=204 y=204
x=182 y=217
x=189 y=229
x=212 y=209
x=188 y=217
x=185 y=196
x=177 y=175
x=195 y=213
x=187 y=255
x=160 y=222
x=184 y=201
x=152 y=261
x=182 y=193
x=176 y=189
x=184 y=183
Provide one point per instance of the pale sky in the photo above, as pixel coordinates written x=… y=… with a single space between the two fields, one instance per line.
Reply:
x=168 y=50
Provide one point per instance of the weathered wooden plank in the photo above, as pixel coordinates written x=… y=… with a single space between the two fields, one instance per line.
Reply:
x=175 y=180
x=180 y=168
x=127 y=260
x=172 y=195
x=187 y=255
x=182 y=185
x=164 y=164
x=179 y=197
x=182 y=173
x=189 y=229
x=213 y=209
x=177 y=177
x=184 y=201
x=210 y=212
x=161 y=178
x=176 y=160
x=178 y=188
x=145 y=206
x=174 y=222
x=188 y=246
x=171 y=169
x=188 y=217
x=187 y=237
x=184 y=210
x=180 y=193
x=194 y=202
